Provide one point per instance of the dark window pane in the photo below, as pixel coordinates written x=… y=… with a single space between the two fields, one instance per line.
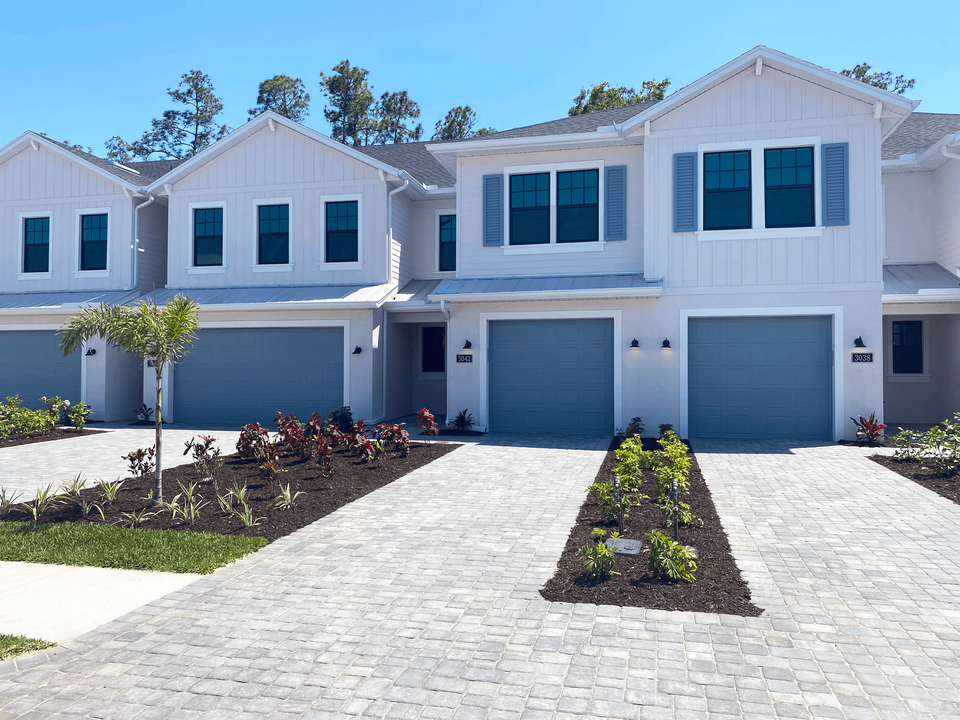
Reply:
x=726 y=196
x=274 y=241
x=208 y=237
x=342 y=232
x=36 y=245
x=432 y=353
x=578 y=209
x=789 y=187
x=93 y=242
x=726 y=210
x=908 y=346
x=530 y=209
x=448 y=243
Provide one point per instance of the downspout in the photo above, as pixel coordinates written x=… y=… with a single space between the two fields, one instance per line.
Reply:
x=136 y=243
x=947 y=154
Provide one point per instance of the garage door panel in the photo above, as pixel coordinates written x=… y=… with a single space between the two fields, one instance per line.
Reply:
x=773 y=377
x=566 y=385
x=33 y=366
x=244 y=375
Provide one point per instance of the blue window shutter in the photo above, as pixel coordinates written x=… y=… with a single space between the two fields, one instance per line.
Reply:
x=685 y=192
x=835 y=179
x=615 y=203
x=492 y=210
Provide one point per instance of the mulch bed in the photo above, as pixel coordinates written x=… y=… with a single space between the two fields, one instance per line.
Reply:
x=947 y=486
x=59 y=433
x=719 y=587
x=350 y=480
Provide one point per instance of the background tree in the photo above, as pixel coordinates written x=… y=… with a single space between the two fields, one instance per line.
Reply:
x=284 y=95
x=392 y=113
x=180 y=133
x=604 y=96
x=161 y=334
x=350 y=102
x=458 y=125
x=881 y=80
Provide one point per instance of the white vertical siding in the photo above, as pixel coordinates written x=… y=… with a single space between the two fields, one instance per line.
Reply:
x=45 y=181
x=403 y=240
x=948 y=220
x=152 y=270
x=280 y=164
x=749 y=108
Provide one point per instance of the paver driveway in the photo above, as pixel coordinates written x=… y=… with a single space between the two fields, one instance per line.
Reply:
x=420 y=600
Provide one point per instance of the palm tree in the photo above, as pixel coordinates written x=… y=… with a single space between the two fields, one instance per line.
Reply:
x=163 y=335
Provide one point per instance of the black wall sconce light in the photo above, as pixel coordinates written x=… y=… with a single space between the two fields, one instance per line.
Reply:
x=90 y=352
x=859 y=343
x=357 y=350
x=634 y=344
x=467 y=347
x=665 y=344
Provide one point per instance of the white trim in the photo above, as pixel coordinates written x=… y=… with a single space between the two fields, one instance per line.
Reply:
x=191 y=235
x=324 y=199
x=911 y=299
x=607 y=293
x=31 y=326
x=480 y=351
x=78 y=226
x=21 y=275
x=436 y=244
x=255 y=324
x=257 y=203
x=553 y=246
x=835 y=311
x=758 y=217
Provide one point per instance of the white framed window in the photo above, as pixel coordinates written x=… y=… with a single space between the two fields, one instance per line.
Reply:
x=272 y=236
x=445 y=241
x=544 y=208
x=36 y=241
x=206 y=230
x=342 y=218
x=93 y=228
x=906 y=357
x=748 y=186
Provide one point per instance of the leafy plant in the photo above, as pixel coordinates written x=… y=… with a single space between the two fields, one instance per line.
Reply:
x=870 y=428
x=247 y=518
x=463 y=421
x=634 y=427
x=87 y=507
x=426 y=422
x=7 y=501
x=238 y=493
x=45 y=500
x=74 y=487
x=323 y=456
x=665 y=428
x=342 y=419
x=909 y=444
x=270 y=468
x=254 y=442
x=684 y=515
x=193 y=502
x=669 y=559
x=598 y=559
x=293 y=434
x=603 y=493
x=15 y=419
x=206 y=458
x=396 y=435
x=286 y=498
x=673 y=464
x=109 y=490
x=136 y=518
x=140 y=461
x=78 y=414
x=941 y=448
x=144 y=412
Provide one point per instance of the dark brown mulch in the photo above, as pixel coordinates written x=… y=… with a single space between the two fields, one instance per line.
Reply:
x=459 y=433
x=867 y=443
x=59 y=433
x=947 y=486
x=719 y=587
x=350 y=480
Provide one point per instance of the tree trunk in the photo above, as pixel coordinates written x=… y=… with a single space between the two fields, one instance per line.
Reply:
x=158 y=477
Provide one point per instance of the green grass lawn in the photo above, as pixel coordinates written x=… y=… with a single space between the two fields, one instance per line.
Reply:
x=110 y=546
x=13 y=645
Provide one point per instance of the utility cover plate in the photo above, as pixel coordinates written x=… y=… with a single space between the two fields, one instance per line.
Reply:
x=624 y=546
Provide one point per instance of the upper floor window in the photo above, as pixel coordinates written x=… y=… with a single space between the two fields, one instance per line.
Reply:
x=36 y=245
x=447 y=260
x=208 y=237
x=93 y=242
x=530 y=209
x=273 y=240
x=578 y=206
x=726 y=190
x=788 y=196
x=908 y=346
x=343 y=244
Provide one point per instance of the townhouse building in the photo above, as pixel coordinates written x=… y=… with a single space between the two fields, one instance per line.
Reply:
x=764 y=253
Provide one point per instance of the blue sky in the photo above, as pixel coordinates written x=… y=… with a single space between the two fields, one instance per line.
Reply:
x=85 y=71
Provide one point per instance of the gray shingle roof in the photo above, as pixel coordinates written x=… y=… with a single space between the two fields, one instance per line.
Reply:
x=587 y=122
x=147 y=171
x=413 y=158
x=918 y=132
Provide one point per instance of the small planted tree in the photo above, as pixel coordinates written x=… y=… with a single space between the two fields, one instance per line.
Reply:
x=163 y=335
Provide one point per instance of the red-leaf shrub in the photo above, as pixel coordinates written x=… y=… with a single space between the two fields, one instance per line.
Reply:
x=427 y=423
x=870 y=428
x=293 y=435
x=254 y=442
x=395 y=434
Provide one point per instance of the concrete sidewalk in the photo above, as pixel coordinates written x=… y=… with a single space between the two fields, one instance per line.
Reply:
x=57 y=603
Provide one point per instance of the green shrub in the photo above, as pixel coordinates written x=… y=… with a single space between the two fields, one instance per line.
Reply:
x=909 y=444
x=669 y=559
x=674 y=464
x=684 y=515
x=78 y=414
x=598 y=559
x=635 y=427
x=15 y=419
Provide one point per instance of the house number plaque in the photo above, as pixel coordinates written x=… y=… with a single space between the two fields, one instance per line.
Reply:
x=465 y=358
x=863 y=357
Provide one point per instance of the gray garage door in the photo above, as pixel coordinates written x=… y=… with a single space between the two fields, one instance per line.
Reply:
x=242 y=376
x=32 y=365
x=551 y=376
x=761 y=377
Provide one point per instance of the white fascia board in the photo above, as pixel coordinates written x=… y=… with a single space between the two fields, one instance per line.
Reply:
x=29 y=135
x=63 y=310
x=748 y=59
x=255 y=125
x=601 y=294
x=461 y=148
x=280 y=307
x=933 y=297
